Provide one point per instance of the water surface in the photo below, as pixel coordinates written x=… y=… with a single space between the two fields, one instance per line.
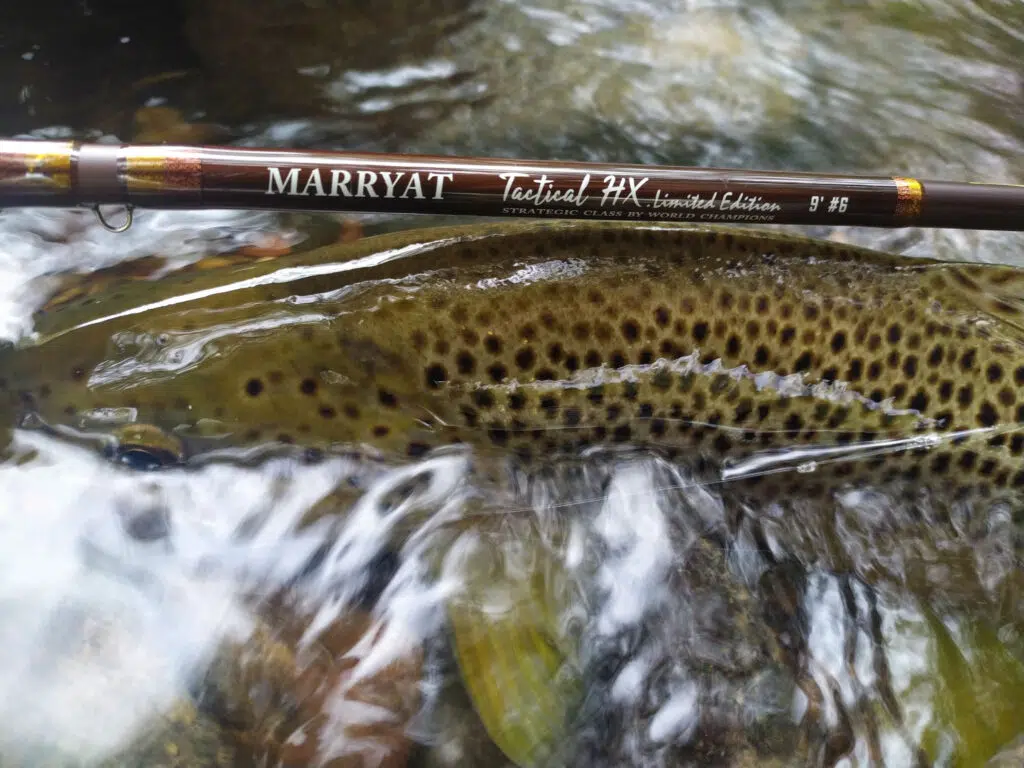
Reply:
x=771 y=636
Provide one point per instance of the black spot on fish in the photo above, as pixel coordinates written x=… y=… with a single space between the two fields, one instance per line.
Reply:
x=743 y=410
x=919 y=402
x=253 y=387
x=525 y=358
x=967 y=360
x=308 y=387
x=987 y=416
x=965 y=395
x=435 y=375
x=497 y=372
x=465 y=362
x=483 y=398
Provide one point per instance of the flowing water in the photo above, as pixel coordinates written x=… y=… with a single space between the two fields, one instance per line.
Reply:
x=294 y=609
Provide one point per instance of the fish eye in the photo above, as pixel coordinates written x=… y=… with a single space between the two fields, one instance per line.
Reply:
x=142 y=459
x=143 y=447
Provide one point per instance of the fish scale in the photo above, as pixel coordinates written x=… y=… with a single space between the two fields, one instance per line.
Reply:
x=543 y=338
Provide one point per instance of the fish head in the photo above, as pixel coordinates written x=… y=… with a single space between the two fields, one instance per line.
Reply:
x=209 y=376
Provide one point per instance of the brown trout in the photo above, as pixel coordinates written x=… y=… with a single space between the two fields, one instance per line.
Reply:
x=543 y=338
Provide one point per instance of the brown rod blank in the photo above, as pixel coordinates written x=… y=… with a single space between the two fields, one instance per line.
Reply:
x=64 y=174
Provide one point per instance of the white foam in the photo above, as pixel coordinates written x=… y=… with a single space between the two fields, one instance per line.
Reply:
x=678 y=717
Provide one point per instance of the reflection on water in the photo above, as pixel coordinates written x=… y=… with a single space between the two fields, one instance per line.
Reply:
x=298 y=612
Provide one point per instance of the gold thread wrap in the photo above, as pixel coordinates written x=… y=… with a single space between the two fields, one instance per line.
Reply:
x=160 y=170
x=908 y=197
x=38 y=165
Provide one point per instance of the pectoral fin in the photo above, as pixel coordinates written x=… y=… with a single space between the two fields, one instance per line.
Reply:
x=516 y=662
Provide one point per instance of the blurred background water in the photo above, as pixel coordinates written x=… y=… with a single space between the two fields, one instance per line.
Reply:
x=931 y=88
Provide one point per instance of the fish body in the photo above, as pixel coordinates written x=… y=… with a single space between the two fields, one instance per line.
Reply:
x=549 y=338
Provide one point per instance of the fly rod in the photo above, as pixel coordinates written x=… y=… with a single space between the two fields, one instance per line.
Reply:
x=65 y=174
